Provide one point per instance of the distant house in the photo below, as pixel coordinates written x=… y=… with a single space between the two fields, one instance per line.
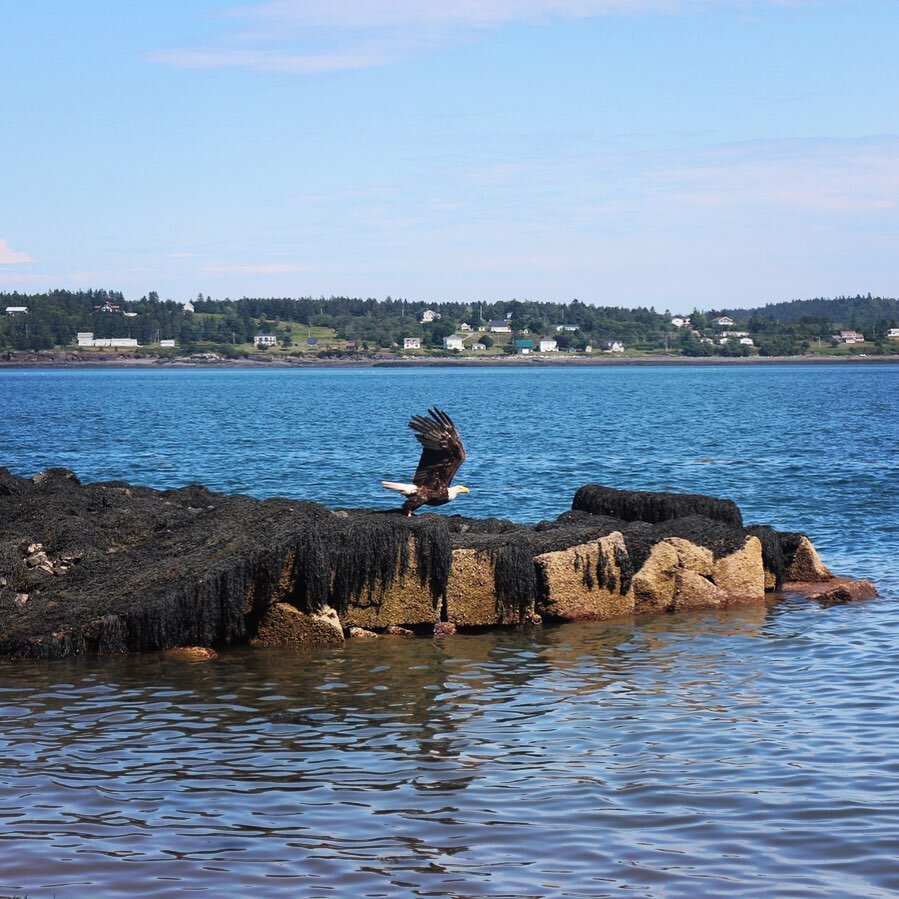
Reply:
x=465 y=326
x=614 y=346
x=189 y=307
x=723 y=321
x=453 y=342
x=429 y=315
x=130 y=314
x=746 y=341
x=265 y=340
x=500 y=326
x=108 y=307
x=588 y=348
x=311 y=341
x=848 y=337
x=17 y=310
x=86 y=338
x=411 y=343
x=547 y=345
x=680 y=320
x=169 y=343
x=479 y=346
x=893 y=333
x=524 y=347
x=560 y=328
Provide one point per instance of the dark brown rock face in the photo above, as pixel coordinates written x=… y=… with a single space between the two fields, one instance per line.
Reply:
x=111 y=567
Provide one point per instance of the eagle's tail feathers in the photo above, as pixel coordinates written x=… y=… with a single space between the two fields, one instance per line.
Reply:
x=405 y=489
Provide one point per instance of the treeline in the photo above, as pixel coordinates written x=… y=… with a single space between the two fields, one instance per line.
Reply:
x=55 y=317
x=386 y=322
x=856 y=313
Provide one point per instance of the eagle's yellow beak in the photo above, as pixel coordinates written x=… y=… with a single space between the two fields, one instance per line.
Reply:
x=464 y=490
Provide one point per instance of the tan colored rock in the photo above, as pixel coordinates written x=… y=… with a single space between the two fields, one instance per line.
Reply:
x=834 y=591
x=569 y=584
x=444 y=629
x=692 y=557
x=285 y=625
x=655 y=583
x=191 y=654
x=693 y=591
x=741 y=575
x=396 y=631
x=360 y=633
x=406 y=601
x=471 y=599
x=807 y=566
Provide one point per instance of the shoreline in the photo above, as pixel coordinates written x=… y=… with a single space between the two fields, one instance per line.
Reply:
x=64 y=359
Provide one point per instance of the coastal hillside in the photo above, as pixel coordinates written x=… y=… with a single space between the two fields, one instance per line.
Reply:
x=858 y=312
x=99 y=323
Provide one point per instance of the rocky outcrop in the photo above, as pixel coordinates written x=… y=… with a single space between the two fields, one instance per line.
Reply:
x=111 y=567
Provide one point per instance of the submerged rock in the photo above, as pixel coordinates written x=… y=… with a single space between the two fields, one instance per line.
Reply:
x=110 y=567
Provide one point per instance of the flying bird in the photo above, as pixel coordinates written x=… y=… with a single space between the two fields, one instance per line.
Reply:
x=441 y=456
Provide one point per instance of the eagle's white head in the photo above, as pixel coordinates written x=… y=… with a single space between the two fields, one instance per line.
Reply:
x=455 y=491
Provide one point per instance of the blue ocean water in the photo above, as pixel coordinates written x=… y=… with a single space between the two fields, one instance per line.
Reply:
x=748 y=752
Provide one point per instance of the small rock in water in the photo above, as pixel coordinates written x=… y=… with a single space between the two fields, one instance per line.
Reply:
x=191 y=654
x=363 y=633
x=444 y=629
x=396 y=631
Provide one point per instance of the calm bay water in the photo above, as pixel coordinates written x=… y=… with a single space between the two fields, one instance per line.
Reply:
x=743 y=753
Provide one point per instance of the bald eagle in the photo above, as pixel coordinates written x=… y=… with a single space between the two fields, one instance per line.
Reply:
x=441 y=456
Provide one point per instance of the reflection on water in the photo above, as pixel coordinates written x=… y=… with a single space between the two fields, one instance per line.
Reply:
x=746 y=753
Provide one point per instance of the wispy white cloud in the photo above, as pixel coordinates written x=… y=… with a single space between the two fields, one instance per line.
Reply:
x=9 y=256
x=275 y=268
x=314 y=36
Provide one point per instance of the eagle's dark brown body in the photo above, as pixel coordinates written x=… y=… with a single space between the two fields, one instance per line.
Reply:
x=442 y=454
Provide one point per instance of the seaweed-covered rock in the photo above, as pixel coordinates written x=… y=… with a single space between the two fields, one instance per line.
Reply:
x=631 y=505
x=112 y=567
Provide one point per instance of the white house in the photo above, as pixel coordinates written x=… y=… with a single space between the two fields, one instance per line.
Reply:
x=547 y=345
x=411 y=343
x=746 y=341
x=189 y=307
x=893 y=333
x=166 y=342
x=453 y=342
x=723 y=321
x=108 y=307
x=848 y=337
x=86 y=338
x=680 y=320
x=500 y=326
x=588 y=348
x=614 y=346
x=429 y=315
x=265 y=340
x=17 y=310
x=465 y=326
x=566 y=328
x=479 y=346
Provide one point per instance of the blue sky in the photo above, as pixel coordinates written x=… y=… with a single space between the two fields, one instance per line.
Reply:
x=673 y=153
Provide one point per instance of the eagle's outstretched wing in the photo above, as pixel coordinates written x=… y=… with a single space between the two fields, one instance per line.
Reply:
x=442 y=452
